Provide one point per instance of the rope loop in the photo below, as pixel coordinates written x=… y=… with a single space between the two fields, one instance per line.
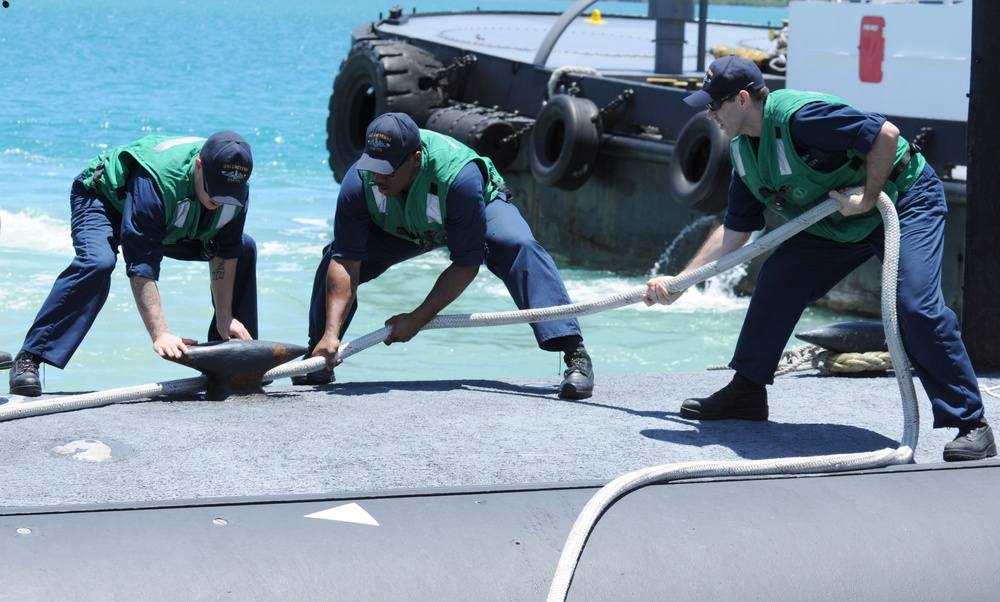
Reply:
x=814 y=357
x=858 y=362
x=550 y=89
x=618 y=488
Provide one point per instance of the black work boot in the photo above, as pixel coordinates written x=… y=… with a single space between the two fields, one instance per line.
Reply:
x=317 y=377
x=24 y=375
x=5 y=361
x=974 y=442
x=741 y=398
x=578 y=379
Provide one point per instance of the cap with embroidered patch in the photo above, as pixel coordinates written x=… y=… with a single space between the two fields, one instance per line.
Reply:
x=226 y=164
x=391 y=138
x=727 y=76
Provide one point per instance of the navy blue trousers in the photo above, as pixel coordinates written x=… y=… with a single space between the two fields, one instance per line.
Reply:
x=81 y=289
x=806 y=267
x=512 y=254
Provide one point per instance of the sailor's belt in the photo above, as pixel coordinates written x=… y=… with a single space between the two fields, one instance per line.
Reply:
x=900 y=166
x=96 y=179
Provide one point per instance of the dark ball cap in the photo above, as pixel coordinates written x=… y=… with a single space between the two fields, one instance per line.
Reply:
x=226 y=164
x=727 y=76
x=391 y=138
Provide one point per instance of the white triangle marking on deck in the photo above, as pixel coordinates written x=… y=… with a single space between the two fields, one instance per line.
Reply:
x=348 y=513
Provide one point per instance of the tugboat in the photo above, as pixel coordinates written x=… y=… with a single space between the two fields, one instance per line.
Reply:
x=583 y=113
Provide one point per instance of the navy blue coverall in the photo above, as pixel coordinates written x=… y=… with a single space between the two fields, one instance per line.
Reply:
x=98 y=229
x=506 y=244
x=806 y=267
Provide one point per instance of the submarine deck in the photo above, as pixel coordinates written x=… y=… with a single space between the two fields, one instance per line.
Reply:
x=468 y=490
x=375 y=436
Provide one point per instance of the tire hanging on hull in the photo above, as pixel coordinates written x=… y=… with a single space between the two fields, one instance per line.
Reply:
x=565 y=141
x=700 y=167
x=485 y=131
x=378 y=77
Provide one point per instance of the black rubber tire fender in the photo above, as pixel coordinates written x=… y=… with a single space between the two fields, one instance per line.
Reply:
x=700 y=168
x=565 y=141
x=377 y=77
x=480 y=129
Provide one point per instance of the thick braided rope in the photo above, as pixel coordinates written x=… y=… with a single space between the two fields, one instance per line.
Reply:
x=101 y=398
x=621 y=486
x=858 y=362
x=561 y=71
x=574 y=310
x=806 y=357
x=739 y=257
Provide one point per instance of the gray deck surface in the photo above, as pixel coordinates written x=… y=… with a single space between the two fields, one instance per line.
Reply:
x=357 y=437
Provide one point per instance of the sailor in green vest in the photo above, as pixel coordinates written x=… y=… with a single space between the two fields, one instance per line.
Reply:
x=412 y=191
x=160 y=196
x=790 y=151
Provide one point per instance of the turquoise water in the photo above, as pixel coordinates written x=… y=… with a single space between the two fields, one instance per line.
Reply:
x=79 y=77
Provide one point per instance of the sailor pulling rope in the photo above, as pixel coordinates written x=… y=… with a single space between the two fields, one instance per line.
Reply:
x=190 y=385
x=627 y=483
x=658 y=474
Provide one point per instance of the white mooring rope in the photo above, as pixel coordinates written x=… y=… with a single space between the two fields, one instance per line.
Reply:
x=627 y=483
x=192 y=385
x=619 y=487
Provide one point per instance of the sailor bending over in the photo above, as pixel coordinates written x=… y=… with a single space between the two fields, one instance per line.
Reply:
x=184 y=198
x=414 y=190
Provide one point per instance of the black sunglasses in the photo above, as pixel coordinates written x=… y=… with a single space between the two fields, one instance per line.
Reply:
x=715 y=105
x=393 y=174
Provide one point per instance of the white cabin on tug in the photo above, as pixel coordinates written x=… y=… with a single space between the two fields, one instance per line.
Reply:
x=908 y=59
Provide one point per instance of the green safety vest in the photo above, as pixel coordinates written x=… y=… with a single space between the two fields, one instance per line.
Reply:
x=777 y=176
x=422 y=216
x=170 y=161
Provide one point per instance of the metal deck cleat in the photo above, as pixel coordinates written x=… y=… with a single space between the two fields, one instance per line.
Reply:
x=236 y=367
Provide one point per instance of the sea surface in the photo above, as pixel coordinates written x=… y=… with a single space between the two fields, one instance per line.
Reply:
x=77 y=78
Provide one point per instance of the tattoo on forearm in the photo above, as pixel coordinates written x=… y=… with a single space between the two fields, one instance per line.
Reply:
x=219 y=270
x=157 y=325
x=147 y=298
